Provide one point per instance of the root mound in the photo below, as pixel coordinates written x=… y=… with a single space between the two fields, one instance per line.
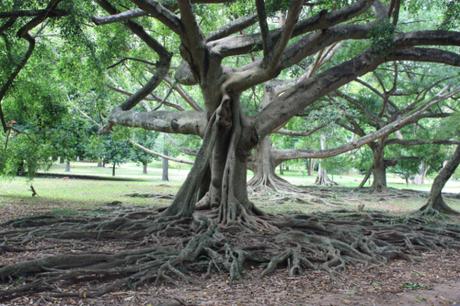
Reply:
x=172 y=250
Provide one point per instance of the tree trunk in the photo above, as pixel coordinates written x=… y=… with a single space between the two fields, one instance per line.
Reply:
x=311 y=166
x=421 y=175
x=264 y=173
x=435 y=201
x=366 y=177
x=113 y=169
x=379 y=174
x=100 y=163
x=281 y=169
x=144 y=167
x=61 y=160
x=67 y=166
x=322 y=178
x=265 y=178
x=165 y=168
x=225 y=151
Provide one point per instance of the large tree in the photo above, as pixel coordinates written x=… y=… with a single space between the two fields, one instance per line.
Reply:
x=212 y=208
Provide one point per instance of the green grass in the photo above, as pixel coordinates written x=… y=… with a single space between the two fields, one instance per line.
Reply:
x=64 y=196
x=82 y=193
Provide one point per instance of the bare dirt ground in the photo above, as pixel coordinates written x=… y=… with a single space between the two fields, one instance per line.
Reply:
x=431 y=279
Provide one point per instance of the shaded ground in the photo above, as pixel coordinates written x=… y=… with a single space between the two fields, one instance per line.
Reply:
x=433 y=279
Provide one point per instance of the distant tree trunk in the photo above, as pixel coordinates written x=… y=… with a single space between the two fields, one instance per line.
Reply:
x=264 y=172
x=100 y=163
x=281 y=169
x=144 y=167
x=67 y=166
x=322 y=178
x=265 y=177
x=311 y=166
x=421 y=175
x=61 y=160
x=366 y=177
x=165 y=167
x=435 y=200
x=21 y=169
x=113 y=169
x=379 y=168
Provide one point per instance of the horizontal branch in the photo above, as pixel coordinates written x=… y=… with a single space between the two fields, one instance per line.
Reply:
x=300 y=133
x=188 y=122
x=418 y=142
x=154 y=153
x=123 y=16
x=235 y=26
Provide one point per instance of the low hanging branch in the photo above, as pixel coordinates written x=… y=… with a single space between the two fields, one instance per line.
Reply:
x=154 y=153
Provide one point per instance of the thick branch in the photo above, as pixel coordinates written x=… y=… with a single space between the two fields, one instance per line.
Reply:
x=188 y=122
x=305 y=93
x=243 y=44
x=161 y=13
x=123 y=16
x=235 y=26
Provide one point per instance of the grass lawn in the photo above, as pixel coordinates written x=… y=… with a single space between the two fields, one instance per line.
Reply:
x=67 y=194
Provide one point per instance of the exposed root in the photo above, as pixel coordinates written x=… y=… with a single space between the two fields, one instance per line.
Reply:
x=271 y=183
x=176 y=250
x=437 y=206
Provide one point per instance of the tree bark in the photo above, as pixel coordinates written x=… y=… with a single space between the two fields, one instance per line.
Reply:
x=165 y=162
x=379 y=183
x=311 y=166
x=113 y=169
x=435 y=201
x=165 y=168
x=366 y=177
x=422 y=172
x=322 y=178
x=264 y=173
x=144 y=168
